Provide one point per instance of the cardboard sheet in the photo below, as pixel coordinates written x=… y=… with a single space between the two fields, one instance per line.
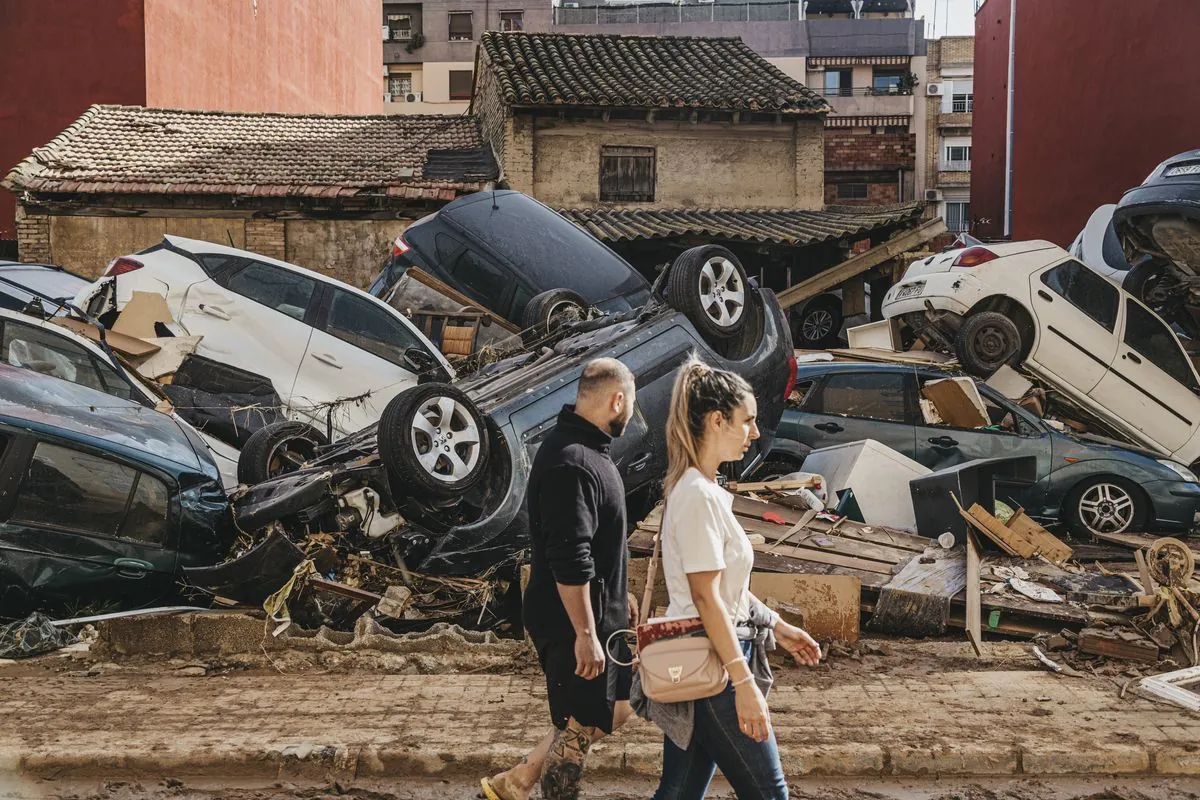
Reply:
x=140 y=313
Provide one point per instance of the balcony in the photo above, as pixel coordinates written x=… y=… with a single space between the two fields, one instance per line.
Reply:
x=959 y=120
x=954 y=173
x=867 y=101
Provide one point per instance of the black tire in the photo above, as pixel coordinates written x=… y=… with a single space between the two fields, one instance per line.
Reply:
x=547 y=313
x=277 y=449
x=1080 y=515
x=718 y=311
x=986 y=341
x=746 y=342
x=415 y=424
x=819 y=324
x=1143 y=279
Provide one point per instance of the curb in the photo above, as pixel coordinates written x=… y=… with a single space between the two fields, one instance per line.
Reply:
x=846 y=760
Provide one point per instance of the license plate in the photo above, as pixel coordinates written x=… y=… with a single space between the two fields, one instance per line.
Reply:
x=910 y=291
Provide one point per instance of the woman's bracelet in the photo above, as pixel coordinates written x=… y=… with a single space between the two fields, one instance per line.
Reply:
x=746 y=679
x=729 y=664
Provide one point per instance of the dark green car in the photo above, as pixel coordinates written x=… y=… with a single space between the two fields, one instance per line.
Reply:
x=102 y=501
x=1090 y=485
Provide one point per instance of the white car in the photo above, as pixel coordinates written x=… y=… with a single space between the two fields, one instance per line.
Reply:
x=1033 y=302
x=323 y=345
x=51 y=349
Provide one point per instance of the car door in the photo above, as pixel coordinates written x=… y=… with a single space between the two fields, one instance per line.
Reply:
x=46 y=348
x=81 y=532
x=1151 y=384
x=255 y=316
x=1076 y=312
x=1012 y=432
x=359 y=349
x=851 y=406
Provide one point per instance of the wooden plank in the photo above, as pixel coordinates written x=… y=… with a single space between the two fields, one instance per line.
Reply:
x=823 y=557
x=806 y=518
x=856 y=265
x=1044 y=542
x=454 y=294
x=974 y=611
x=778 y=486
x=1149 y=586
x=1136 y=541
x=953 y=405
x=791 y=514
x=1111 y=643
x=832 y=543
x=343 y=590
x=916 y=602
x=829 y=606
x=994 y=529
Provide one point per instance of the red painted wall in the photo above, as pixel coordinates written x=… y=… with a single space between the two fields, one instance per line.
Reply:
x=57 y=57
x=1101 y=97
x=301 y=56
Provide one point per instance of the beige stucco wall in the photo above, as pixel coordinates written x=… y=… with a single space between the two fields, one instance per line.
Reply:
x=86 y=244
x=349 y=250
x=704 y=165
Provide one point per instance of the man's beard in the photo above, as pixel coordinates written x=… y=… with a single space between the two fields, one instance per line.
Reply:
x=617 y=426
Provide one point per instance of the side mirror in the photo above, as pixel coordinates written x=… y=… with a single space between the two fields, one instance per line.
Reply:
x=420 y=360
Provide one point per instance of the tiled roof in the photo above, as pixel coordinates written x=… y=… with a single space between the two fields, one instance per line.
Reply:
x=775 y=226
x=130 y=149
x=553 y=69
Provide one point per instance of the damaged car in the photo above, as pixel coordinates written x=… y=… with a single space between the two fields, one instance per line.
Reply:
x=1091 y=485
x=1033 y=304
x=104 y=500
x=333 y=355
x=438 y=485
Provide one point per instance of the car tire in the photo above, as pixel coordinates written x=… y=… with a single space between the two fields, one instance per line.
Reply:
x=819 y=324
x=549 y=311
x=433 y=442
x=986 y=341
x=1106 y=504
x=710 y=286
x=277 y=449
x=745 y=342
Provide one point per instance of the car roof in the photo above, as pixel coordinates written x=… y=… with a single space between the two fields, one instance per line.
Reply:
x=38 y=402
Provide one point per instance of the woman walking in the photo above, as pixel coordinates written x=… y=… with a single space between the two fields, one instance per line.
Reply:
x=706 y=562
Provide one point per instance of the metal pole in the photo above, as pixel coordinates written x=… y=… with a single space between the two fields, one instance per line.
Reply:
x=1008 y=145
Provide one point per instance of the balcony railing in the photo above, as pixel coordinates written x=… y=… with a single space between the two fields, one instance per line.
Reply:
x=955 y=166
x=864 y=91
x=398 y=34
x=590 y=12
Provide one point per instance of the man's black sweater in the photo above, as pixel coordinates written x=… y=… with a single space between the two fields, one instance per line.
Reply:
x=577 y=526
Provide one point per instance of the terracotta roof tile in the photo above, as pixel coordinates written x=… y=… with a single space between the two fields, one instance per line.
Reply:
x=154 y=150
x=554 y=69
x=779 y=226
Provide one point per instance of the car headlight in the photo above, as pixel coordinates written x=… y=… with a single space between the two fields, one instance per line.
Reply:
x=1179 y=469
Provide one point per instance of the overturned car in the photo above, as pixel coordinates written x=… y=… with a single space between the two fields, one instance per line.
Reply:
x=438 y=485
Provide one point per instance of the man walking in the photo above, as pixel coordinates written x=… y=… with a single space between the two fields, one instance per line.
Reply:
x=578 y=591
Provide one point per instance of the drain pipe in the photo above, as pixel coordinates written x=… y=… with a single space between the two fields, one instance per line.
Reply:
x=1008 y=144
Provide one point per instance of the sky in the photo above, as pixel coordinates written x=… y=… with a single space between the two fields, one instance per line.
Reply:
x=954 y=17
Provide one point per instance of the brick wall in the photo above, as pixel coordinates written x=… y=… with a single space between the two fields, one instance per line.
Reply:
x=957 y=49
x=878 y=194
x=33 y=237
x=487 y=104
x=266 y=237
x=847 y=150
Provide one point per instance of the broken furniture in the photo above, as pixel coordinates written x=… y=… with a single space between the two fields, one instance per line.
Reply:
x=1019 y=536
x=878 y=475
x=972 y=482
x=456 y=333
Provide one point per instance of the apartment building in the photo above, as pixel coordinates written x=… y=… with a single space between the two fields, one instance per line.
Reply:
x=864 y=56
x=950 y=104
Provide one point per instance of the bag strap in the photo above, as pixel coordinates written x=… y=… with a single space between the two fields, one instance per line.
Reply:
x=652 y=567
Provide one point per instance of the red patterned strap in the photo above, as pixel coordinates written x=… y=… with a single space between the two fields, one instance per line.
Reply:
x=667 y=629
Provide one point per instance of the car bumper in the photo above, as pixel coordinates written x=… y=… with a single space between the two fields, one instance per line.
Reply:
x=952 y=292
x=1176 y=504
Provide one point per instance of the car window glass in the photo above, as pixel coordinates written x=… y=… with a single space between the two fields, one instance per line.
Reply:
x=1084 y=289
x=217 y=264
x=1150 y=336
x=484 y=280
x=363 y=324
x=873 y=395
x=446 y=247
x=61 y=481
x=147 y=518
x=800 y=393
x=42 y=351
x=275 y=288
x=113 y=383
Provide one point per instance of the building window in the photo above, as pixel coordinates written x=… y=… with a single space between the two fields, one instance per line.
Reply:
x=460 y=84
x=461 y=29
x=512 y=20
x=962 y=103
x=852 y=191
x=399 y=27
x=958 y=157
x=838 y=83
x=627 y=174
x=887 y=81
x=400 y=85
x=958 y=217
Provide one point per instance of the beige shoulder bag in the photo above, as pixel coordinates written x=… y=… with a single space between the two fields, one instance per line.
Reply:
x=675 y=659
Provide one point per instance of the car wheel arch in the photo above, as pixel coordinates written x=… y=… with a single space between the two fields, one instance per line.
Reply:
x=1144 y=510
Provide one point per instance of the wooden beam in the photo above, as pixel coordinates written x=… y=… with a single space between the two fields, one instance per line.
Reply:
x=605 y=116
x=449 y=291
x=856 y=265
x=737 y=117
x=650 y=116
x=974 y=612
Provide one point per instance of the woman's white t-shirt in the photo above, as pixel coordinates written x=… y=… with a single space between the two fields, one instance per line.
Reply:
x=701 y=534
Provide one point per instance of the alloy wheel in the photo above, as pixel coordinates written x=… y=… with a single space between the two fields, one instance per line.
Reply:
x=722 y=292
x=1106 y=508
x=446 y=439
x=817 y=325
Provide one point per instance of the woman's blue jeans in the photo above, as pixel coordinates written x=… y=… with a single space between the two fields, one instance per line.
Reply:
x=752 y=768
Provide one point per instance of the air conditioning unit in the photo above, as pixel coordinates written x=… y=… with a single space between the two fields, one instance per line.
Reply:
x=402 y=35
x=387 y=33
x=933 y=195
x=933 y=89
x=412 y=97
x=387 y=97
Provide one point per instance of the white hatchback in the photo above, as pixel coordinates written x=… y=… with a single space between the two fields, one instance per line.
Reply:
x=330 y=350
x=1032 y=302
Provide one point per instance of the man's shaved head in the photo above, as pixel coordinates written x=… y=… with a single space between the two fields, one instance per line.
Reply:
x=606 y=395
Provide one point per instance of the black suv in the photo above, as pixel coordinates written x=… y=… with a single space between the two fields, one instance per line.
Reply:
x=503 y=249
x=439 y=483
